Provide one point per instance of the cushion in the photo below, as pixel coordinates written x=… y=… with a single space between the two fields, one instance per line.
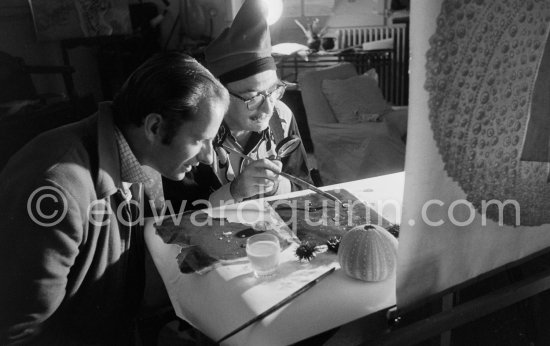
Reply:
x=356 y=99
x=316 y=104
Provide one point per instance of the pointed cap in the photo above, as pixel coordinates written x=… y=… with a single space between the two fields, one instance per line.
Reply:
x=244 y=49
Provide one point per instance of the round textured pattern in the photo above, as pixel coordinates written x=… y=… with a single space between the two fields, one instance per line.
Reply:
x=481 y=68
x=368 y=252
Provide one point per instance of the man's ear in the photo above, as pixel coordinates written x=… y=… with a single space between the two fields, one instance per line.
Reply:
x=152 y=125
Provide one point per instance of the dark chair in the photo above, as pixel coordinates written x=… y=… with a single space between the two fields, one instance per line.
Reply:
x=17 y=90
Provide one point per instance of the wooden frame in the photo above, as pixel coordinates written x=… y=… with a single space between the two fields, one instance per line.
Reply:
x=449 y=317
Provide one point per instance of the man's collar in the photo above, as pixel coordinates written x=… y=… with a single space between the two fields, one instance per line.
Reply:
x=130 y=168
x=256 y=137
x=109 y=178
x=222 y=134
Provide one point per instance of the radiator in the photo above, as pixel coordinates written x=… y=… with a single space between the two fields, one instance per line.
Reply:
x=393 y=71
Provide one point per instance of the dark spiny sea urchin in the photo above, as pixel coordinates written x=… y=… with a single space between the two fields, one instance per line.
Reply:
x=306 y=251
x=333 y=243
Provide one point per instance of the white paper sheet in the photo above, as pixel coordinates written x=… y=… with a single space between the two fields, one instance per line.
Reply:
x=443 y=240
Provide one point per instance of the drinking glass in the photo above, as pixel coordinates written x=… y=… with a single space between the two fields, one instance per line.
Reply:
x=263 y=252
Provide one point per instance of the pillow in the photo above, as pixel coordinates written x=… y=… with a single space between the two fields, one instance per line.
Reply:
x=356 y=99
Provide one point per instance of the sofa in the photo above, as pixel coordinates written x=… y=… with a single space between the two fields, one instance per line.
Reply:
x=367 y=144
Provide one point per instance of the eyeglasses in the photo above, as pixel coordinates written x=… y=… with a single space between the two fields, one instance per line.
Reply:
x=256 y=101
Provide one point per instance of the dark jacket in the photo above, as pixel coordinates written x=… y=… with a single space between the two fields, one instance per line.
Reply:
x=73 y=281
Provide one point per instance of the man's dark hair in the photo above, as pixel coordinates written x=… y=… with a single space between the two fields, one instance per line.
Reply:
x=170 y=84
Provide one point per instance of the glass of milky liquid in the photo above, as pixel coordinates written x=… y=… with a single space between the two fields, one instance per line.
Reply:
x=263 y=252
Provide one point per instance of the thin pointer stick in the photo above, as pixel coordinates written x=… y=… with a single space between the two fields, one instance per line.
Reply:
x=279 y=305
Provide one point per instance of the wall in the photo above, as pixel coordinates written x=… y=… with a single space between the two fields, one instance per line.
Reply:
x=205 y=18
x=357 y=13
x=17 y=37
x=345 y=13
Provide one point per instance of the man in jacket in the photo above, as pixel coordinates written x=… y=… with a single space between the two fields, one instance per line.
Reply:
x=71 y=241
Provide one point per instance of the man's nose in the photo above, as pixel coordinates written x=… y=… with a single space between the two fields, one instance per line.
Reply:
x=206 y=155
x=267 y=105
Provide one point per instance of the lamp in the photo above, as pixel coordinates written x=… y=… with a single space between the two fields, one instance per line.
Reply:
x=275 y=10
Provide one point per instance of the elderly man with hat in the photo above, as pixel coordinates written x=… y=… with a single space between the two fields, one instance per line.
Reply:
x=255 y=123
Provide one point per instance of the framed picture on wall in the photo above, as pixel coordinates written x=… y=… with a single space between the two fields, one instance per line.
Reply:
x=64 y=19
